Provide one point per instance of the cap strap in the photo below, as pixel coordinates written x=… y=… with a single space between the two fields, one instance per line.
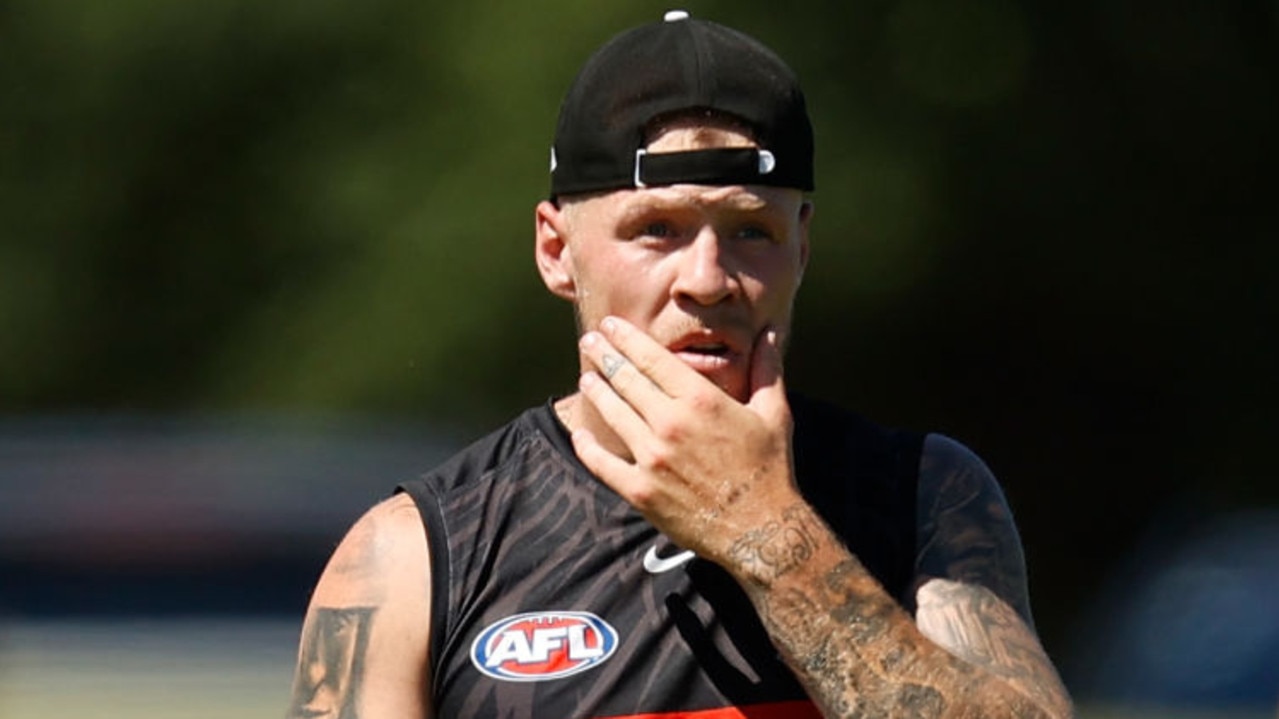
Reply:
x=721 y=166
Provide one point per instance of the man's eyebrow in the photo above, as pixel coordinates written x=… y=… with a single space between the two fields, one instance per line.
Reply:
x=741 y=201
x=748 y=202
x=644 y=209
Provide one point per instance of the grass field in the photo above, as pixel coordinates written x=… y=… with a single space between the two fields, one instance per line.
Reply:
x=180 y=669
x=202 y=669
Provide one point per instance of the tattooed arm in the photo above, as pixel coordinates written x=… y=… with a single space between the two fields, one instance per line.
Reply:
x=716 y=475
x=971 y=651
x=363 y=653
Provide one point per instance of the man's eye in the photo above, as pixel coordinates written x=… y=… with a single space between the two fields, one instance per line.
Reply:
x=753 y=232
x=657 y=229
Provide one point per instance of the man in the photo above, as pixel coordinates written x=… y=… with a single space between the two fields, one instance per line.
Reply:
x=681 y=537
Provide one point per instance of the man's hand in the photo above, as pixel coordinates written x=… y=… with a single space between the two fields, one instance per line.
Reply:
x=703 y=467
x=716 y=476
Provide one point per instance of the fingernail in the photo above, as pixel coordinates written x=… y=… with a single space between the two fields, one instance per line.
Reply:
x=608 y=325
x=588 y=339
x=587 y=379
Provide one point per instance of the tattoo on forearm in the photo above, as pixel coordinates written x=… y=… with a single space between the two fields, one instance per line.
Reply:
x=778 y=547
x=611 y=365
x=859 y=653
x=331 y=663
x=842 y=640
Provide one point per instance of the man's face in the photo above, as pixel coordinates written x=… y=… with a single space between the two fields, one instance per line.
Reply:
x=702 y=269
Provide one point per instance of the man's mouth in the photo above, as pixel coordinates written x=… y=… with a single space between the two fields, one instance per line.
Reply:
x=704 y=354
x=715 y=349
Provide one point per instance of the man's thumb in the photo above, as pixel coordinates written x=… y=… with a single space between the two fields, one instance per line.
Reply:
x=768 y=390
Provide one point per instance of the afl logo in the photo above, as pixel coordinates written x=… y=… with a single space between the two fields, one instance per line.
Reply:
x=538 y=646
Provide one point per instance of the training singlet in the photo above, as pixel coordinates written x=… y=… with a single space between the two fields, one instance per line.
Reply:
x=543 y=606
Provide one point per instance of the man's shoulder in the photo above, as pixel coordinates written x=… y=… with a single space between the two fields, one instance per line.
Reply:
x=822 y=426
x=834 y=433
x=490 y=452
x=944 y=454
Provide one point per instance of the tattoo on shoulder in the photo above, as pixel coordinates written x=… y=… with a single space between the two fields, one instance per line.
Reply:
x=978 y=627
x=331 y=663
x=972 y=623
x=966 y=530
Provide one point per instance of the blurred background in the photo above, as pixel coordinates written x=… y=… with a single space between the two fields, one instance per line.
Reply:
x=261 y=261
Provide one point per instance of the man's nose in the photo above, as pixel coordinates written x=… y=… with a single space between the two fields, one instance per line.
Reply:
x=704 y=276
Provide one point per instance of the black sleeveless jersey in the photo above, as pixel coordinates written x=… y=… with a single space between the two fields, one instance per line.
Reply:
x=553 y=598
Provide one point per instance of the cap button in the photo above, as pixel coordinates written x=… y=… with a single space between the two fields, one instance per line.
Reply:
x=675 y=15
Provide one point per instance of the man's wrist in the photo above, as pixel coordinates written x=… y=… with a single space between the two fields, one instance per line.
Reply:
x=787 y=544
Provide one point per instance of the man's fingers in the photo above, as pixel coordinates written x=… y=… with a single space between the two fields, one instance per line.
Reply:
x=620 y=415
x=768 y=389
x=630 y=380
x=663 y=369
x=611 y=469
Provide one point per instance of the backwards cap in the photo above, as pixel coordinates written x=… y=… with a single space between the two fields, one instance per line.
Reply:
x=680 y=64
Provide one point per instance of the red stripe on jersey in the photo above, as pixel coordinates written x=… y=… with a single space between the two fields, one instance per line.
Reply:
x=777 y=710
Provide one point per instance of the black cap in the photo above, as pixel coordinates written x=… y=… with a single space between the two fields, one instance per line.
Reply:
x=680 y=64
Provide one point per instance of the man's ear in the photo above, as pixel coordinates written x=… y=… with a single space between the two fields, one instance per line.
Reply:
x=554 y=258
x=805 y=220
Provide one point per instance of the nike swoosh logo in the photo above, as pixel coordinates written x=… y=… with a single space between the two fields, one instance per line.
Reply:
x=654 y=564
